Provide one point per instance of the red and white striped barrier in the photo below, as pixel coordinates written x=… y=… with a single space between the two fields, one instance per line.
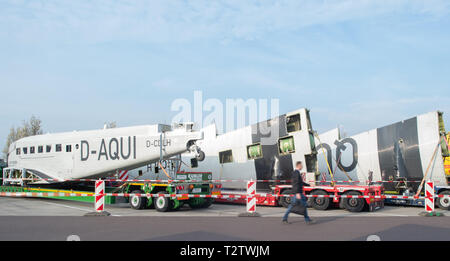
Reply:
x=99 y=196
x=123 y=175
x=429 y=197
x=43 y=194
x=232 y=196
x=251 y=197
x=125 y=179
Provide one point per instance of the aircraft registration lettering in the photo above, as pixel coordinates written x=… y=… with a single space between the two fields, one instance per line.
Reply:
x=157 y=143
x=112 y=149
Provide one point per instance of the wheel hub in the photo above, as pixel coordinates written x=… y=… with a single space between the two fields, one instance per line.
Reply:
x=320 y=201
x=135 y=201
x=353 y=202
x=445 y=202
x=160 y=202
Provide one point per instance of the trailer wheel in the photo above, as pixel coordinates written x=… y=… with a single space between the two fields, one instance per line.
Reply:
x=320 y=203
x=284 y=200
x=207 y=203
x=162 y=204
x=138 y=202
x=444 y=203
x=354 y=204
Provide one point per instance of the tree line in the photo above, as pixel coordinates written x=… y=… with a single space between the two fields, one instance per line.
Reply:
x=32 y=127
x=29 y=128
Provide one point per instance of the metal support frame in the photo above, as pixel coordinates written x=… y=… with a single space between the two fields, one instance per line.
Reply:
x=4 y=176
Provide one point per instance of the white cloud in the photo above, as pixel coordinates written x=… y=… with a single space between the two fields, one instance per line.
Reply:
x=161 y=21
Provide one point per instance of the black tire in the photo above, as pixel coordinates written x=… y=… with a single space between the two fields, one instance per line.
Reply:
x=162 y=204
x=138 y=202
x=284 y=201
x=201 y=156
x=207 y=203
x=194 y=206
x=444 y=203
x=354 y=204
x=320 y=203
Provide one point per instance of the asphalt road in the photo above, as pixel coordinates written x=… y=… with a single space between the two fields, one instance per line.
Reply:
x=44 y=219
x=222 y=228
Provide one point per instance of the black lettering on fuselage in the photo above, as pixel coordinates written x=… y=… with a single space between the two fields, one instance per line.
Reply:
x=110 y=149
x=84 y=145
x=157 y=143
x=114 y=149
x=103 y=151
x=340 y=147
x=129 y=148
x=134 y=141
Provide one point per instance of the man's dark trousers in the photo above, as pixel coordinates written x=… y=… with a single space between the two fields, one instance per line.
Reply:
x=293 y=201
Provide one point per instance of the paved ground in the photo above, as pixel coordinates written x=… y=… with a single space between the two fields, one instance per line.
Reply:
x=53 y=207
x=45 y=219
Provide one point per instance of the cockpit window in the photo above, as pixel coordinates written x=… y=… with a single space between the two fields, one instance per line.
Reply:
x=18 y=151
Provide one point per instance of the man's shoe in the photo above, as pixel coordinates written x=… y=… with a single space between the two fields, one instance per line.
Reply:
x=285 y=222
x=310 y=222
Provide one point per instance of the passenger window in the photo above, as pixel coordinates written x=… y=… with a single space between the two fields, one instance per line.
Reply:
x=18 y=151
x=286 y=145
x=25 y=150
x=49 y=148
x=68 y=148
x=226 y=156
x=58 y=147
x=40 y=149
x=254 y=151
x=293 y=123
x=31 y=150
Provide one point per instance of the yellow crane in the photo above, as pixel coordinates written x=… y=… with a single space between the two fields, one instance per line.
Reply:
x=447 y=158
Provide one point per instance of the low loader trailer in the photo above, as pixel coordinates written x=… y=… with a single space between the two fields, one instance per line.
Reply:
x=192 y=188
x=185 y=187
x=442 y=198
x=72 y=195
x=322 y=197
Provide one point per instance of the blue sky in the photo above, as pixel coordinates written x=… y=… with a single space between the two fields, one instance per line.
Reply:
x=360 y=64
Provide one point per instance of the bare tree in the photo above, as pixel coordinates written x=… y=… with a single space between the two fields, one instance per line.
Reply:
x=35 y=126
x=111 y=125
x=29 y=128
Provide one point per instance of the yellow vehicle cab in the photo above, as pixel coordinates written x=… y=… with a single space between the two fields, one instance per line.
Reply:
x=447 y=160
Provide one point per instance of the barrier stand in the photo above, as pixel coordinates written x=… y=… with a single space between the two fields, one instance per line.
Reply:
x=251 y=200
x=99 y=200
x=429 y=201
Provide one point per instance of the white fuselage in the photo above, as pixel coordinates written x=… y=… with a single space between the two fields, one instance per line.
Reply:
x=404 y=148
x=98 y=153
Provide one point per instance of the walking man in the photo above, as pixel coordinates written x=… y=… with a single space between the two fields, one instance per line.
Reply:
x=298 y=197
